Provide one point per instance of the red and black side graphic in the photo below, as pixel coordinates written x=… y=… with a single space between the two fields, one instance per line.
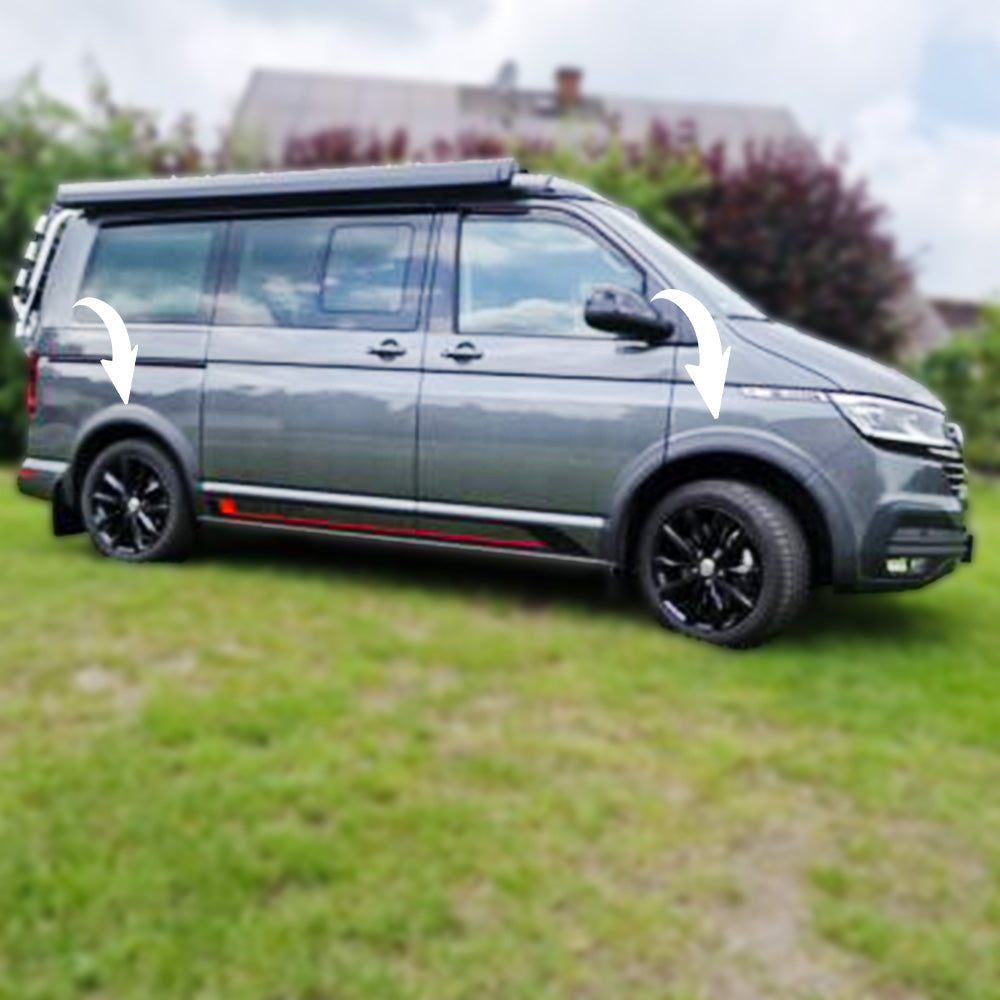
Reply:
x=493 y=534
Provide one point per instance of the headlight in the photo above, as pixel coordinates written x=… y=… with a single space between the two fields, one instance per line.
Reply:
x=890 y=420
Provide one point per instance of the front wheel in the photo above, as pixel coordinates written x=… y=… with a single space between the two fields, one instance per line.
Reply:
x=723 y=561
x=134 y=504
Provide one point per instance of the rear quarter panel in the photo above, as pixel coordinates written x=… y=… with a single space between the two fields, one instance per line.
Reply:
x=74 y=389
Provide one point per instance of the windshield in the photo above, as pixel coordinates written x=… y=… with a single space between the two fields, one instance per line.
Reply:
x=686 y=274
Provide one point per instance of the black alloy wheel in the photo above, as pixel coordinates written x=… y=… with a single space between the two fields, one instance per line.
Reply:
x=706 y=570
x=134 y=505
x=724 y=561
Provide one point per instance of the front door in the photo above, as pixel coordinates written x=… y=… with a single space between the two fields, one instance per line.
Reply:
x=528 y=417
x=313 y=371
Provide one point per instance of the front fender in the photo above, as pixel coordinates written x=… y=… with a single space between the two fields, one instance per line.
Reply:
x=717 y=448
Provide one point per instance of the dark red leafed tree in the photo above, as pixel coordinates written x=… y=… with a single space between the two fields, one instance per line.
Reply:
x=344 y=147
x=795 y=235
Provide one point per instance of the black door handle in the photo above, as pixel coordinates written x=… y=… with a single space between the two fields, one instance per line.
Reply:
x=466 y=351
x=388 y=350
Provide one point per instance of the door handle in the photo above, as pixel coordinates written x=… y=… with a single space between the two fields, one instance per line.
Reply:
x=466 y=351
x=388 y=350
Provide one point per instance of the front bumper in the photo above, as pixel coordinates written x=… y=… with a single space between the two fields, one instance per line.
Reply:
x=912 y=543
x=908 y=507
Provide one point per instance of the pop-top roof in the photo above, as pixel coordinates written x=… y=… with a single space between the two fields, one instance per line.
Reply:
x=484 y=174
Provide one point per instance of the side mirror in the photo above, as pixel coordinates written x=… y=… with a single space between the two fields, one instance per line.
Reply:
x=622 y=311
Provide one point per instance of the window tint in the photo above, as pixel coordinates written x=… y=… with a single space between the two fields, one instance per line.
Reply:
x=321 y=272
x=153 y=273
x=366 y=268
x=532 y=276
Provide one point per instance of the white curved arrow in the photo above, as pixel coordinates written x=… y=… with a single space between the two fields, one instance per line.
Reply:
x=121 y=367
x=709 y=375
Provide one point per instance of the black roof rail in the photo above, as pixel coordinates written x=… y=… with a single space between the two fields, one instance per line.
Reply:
x=498 y=173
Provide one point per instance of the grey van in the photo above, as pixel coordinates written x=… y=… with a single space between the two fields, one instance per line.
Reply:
x=465 y=355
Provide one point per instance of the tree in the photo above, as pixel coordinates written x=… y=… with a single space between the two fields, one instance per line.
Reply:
x=347 y=147
x=790 y=231
x=648 y=177
x=965 y=373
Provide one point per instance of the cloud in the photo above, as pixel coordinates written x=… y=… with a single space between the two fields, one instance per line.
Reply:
x=942 y=189
x=380 y=17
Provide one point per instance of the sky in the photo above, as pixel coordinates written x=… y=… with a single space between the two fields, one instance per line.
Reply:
x=910 y=89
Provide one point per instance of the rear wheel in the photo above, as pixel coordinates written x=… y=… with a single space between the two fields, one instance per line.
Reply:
x=723 y=561
x=134 y=504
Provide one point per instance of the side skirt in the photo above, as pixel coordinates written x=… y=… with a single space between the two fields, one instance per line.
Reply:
x=409 y=541
x=521 y=532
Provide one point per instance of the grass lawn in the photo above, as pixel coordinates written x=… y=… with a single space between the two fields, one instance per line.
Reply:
x=292 y=770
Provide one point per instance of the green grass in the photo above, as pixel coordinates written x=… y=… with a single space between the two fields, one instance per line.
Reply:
x=291 y=770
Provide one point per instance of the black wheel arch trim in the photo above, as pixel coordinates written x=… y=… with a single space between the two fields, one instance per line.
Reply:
x=714 y=451
x=119 y=422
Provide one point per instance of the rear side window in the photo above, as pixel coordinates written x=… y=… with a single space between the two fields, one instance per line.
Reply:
x=366 y=268
x=154 y=273
x=533 y=276
x=325 y=273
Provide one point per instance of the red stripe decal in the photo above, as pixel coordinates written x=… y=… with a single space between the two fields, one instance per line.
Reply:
x=227 y=508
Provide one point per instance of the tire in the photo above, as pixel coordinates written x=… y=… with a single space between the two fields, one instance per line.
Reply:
x=134 y=504
x=723 y=561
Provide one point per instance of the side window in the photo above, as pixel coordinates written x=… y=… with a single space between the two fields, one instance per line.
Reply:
x=154 y=273
x=366 y=268
x=532 y=276
x=325 y=272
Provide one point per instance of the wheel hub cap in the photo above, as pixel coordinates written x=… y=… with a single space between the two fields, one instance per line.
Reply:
x=706 y=569
x=129 y=505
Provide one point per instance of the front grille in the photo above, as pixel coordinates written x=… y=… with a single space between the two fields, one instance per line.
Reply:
x=954 y=470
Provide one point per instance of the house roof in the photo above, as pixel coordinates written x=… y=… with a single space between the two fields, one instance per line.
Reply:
x=280 y=105
x=959 y=314
x=925 y=328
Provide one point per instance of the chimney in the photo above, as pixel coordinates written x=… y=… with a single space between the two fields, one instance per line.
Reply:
x=568 y=85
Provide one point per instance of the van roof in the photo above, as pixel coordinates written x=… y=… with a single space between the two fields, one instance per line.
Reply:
x=418 y=179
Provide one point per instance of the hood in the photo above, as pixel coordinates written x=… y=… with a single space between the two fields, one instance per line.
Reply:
x=845 y=369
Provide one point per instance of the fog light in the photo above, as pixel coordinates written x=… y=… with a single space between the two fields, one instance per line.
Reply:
x=903 y=566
